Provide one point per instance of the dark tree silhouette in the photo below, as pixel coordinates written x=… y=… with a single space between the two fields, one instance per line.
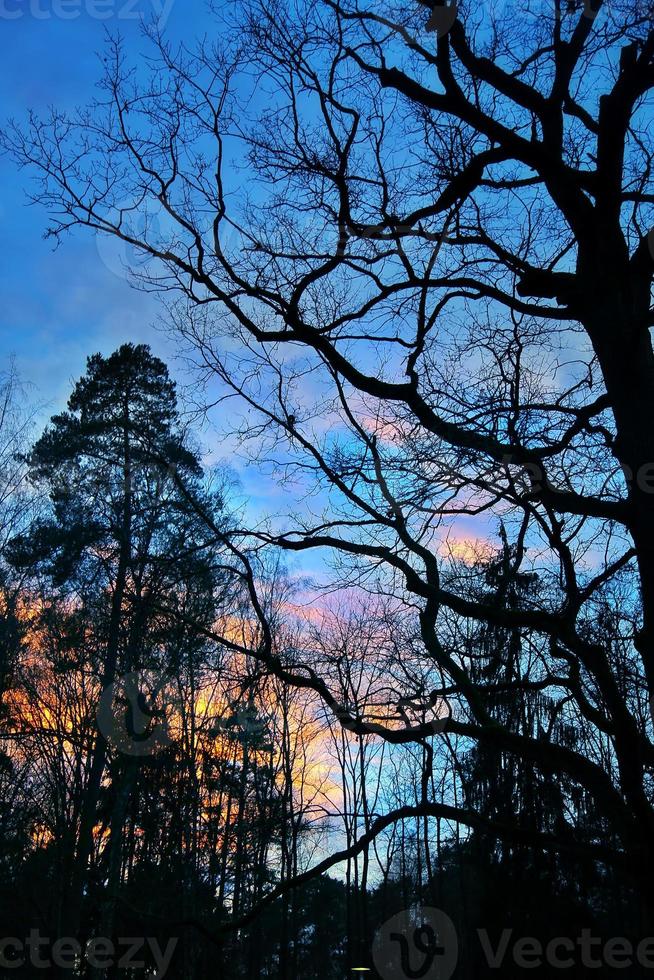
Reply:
x=122 y=545
x=435 y=291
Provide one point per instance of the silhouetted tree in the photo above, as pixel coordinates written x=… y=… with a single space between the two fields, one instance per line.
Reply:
x=434 y=301
x=124 y=544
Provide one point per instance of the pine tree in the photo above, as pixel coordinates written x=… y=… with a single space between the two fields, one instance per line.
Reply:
x=124 y=540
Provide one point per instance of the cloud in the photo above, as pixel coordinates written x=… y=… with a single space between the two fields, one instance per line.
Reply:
x=459 y=547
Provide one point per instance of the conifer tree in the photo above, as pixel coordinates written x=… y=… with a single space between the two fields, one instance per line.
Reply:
x=123 y=540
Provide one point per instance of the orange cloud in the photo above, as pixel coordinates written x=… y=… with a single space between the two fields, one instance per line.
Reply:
x=469 y=550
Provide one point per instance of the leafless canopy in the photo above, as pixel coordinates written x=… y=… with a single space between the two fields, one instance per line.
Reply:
x=416 y=248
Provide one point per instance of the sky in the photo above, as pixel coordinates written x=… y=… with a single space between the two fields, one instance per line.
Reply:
x=60 y=306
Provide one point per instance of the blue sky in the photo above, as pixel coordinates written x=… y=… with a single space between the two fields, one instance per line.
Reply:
x=60 y=306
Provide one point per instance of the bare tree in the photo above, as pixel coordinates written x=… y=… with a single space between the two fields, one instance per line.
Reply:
x=417 y=249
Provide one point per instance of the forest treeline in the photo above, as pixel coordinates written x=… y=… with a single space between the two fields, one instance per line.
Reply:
x=407 y=252
x=203 y=783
